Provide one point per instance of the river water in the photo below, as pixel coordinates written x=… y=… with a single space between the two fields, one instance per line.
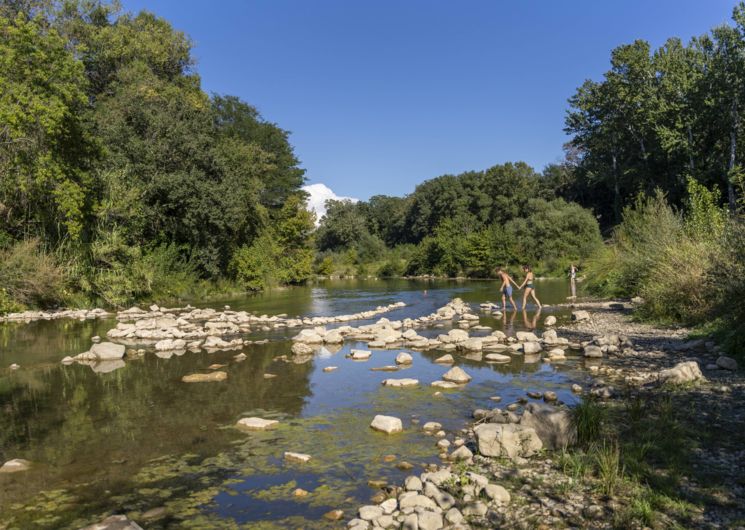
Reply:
x=138 y=439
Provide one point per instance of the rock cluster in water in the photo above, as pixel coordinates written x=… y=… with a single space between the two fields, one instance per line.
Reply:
x=78 y=314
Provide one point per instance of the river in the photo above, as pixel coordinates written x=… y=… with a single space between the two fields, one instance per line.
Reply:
x=138 y=440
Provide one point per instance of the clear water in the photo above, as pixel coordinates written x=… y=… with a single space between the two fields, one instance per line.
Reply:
x=138 y=438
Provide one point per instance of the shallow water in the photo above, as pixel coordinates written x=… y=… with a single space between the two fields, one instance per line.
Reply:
x=137 y=438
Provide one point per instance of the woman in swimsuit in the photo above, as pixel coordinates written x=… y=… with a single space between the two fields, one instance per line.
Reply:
x=506 y=289
x=529 y=286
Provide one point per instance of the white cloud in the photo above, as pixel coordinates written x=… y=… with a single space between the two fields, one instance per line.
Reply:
x=319 y=194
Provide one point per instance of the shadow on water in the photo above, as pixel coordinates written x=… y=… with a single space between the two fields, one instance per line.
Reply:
x=138 y=438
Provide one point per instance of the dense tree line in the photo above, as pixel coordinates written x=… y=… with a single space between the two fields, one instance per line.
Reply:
x=113 y=158
x=657 y=118
x=464 y=224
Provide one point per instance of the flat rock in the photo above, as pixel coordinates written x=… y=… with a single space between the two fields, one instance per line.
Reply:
x=400 y=382
x=498 y=358
x=296 y=457
x=256 y=424
x=360 y=355
x=205 y=378
x=114 y=522
x=447 y=385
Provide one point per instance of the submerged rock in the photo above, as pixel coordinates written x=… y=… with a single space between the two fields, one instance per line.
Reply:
x=256 y=424
x=114 y=522
x=297 y=457
x=400 y=382
x=205 y=378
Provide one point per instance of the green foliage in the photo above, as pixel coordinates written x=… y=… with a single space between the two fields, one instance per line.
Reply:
x=325 y=266
x=30 y=276
x=588 y=418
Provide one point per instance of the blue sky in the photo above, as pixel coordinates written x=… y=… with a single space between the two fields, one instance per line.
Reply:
x=380 y=95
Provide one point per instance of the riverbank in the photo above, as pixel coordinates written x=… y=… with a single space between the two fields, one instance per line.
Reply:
x=649 y=453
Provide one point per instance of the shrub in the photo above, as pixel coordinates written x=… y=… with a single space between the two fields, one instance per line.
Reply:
x=325 y=267
x=30 y=276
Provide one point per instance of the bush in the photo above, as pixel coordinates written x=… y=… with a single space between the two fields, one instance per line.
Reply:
x=727 y=288
x=30 y=276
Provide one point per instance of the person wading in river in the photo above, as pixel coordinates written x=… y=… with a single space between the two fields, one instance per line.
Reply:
x=529 y=286
x=506 y=288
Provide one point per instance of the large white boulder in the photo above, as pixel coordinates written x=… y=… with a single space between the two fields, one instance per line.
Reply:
x=685 y=372
x=507 y=440
x=387 y=424
x=456 y=375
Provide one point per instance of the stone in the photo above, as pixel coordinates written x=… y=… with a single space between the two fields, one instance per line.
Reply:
x=576 y=388
x=431 y=426
x=554 y=426
x=300 y=492
x=104 y=351
x=685 y=372
x=67 y=360
x=593 y=351
x=155 y=513
x=256 y=424
x=498 y=358
x=445 y=359
x=301 y=348
x=727 y=363
x=429 y=521
x=526 y=336
x=410 y=522
x=360 y=355
x=370 y=513
x=473 y=344
x=413 y=483
x=404 y=358
x=556 y=354
x=475 y=509
x=333 y=515
x=447 y=385
x=240 y=357
x=531 y=347
x=462 y=453
x=443 y=444
x=170 y=344
x=412 y=499
x=389 y=506
x=453 y=516
x=308 y=336
x=550 y=395
x=330 y=368
x=297 y=457
x=114 y=522
x=456 y=375
x=507 y=440
x=406 y=382
x=549 y=321
x=387 y=424
x=333 y=337
x=497 y=493
x=205 y=378
x=579 y=316
x=15 y=465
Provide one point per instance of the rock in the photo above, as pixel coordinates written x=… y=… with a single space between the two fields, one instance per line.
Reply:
x=550 y=395
x=447 y=385
x=240 y=357
x=429 y=521
x=67 y=360
x=404 y=358
x=412 y=499
x=301 y=348
x=431 y=426
x=727 y=363
x=256 y=424
x=205 y=378
x=579 y=316
x=15 y=465
x=333 y=515
x=498 y=358
x=370 y=513
x=443 y=499
x=576 y=388
x=497 y=493
x=473 y=344
x=103 y=351
x=593 y=351
x=400 y=382
x=553 y=426
x=114 y=522
x=475 y=509
x=531 y=347
x=170 y=344
x=413 y=483
x=453 y=516
x=526 y=336
x=410 y=522
x=360 y=355
x=155 y=513
x=445 y=359
x=389 y=506
x=593 y=511
x=557 y=354
x=462 y=453
x=549 y=321
x=387 y=424
x=333 y=337
x=297 y=457
x=308 y=336
x=457 y=375
x=507 y=440
x=685 y=372
x=330 y=368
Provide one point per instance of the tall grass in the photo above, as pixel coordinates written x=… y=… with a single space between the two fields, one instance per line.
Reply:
x=30 y=276
x=588 y=418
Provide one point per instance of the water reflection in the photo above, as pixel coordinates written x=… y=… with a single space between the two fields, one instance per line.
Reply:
x=130 y=436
